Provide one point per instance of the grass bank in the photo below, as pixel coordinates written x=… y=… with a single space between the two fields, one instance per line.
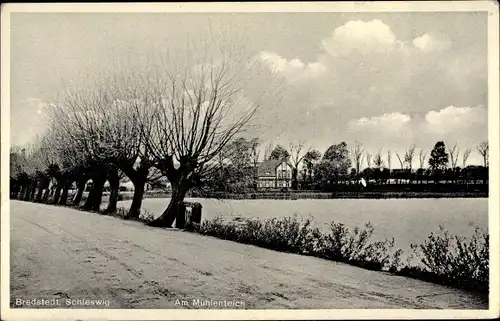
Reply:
x=445 y=258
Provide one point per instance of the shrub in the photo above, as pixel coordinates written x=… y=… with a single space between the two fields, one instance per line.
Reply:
x=285 y=234
x=455 y=260
x=120 y=212
x=295 y=236
x=146 y=217
x=446 y=259
x=354 y=247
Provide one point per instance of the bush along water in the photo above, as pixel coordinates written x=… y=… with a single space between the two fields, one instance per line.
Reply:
x=444 y=258
x=453 y=260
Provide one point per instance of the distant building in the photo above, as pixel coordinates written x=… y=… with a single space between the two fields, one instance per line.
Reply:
x=274 y=174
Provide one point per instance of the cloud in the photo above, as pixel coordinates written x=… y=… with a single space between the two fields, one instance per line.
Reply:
x=387 y=122
x=293 y=69
x=369 y=80
x=370 y=36
x=453 y=118
x=465 y=126
x=430 y=43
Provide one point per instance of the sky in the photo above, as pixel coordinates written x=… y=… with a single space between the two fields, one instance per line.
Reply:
x=388 y=80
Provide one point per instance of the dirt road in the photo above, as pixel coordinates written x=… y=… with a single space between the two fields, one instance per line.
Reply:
x=61 y=253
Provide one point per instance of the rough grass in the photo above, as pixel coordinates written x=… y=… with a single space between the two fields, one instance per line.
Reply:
x=445 y=259
x=144 y=216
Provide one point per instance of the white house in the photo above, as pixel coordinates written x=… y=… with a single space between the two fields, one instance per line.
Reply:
x=274 y=174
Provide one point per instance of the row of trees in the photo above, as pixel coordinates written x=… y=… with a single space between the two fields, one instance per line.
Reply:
x=340 y=164
x=175 y=120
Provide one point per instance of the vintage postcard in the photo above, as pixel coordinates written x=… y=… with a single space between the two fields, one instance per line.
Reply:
x=230 y=161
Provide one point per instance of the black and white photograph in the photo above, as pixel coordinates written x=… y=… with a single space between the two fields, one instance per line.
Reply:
x=250 y=160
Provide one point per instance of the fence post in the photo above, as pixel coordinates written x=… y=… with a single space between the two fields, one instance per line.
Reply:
x=180 y=220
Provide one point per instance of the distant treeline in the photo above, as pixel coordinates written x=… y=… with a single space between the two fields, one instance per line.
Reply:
x=344 y=169
x=291 y=195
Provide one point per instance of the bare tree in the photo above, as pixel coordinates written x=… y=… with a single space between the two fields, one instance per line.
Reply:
x=465 y=156
x=409 y=153
x=422 y=157
x=26 y=168
x=198 y=107
x=238 y=165
x=87 y=117
x=378 y=161
x=401 y=161
x=268 y=150
x=409 y=160
x=483 y=149
x=126 y=122
x=254 y=158
x=402 y=166
x=389 y=159
x=454 y=152
x=368 y=159
x=296 y=157
x=357 y=153
x=254 y=152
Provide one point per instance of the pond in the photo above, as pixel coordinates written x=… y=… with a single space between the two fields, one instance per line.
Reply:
x=406 y=220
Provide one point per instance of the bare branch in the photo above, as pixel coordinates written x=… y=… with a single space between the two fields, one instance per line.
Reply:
x=368 y=159
x=422 y=157
x=357 y=153
x=465 y=156
x=483 y=149
x=454 y=152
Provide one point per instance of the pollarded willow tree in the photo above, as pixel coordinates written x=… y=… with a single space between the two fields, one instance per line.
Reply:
x=102 y=121
x=49 y=170
x=26 y=170
x=126 y=118
x=198 y=101
x=79 y=119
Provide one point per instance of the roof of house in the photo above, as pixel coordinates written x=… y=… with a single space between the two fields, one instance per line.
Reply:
x=268 y=167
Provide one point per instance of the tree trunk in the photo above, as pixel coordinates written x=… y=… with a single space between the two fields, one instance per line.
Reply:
x=57 y=193
x=114 y=188
x=135 y=208
x=64 y=195
x=94 y=199
x=45 y=196
x=14 y=191
x=294 y=178
x=22 y=192
x=80 y=185
x=32 y=191
x=96 y=203
x=27 y=192
x=39 y=194
x=51 y=192
x=169 y=215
